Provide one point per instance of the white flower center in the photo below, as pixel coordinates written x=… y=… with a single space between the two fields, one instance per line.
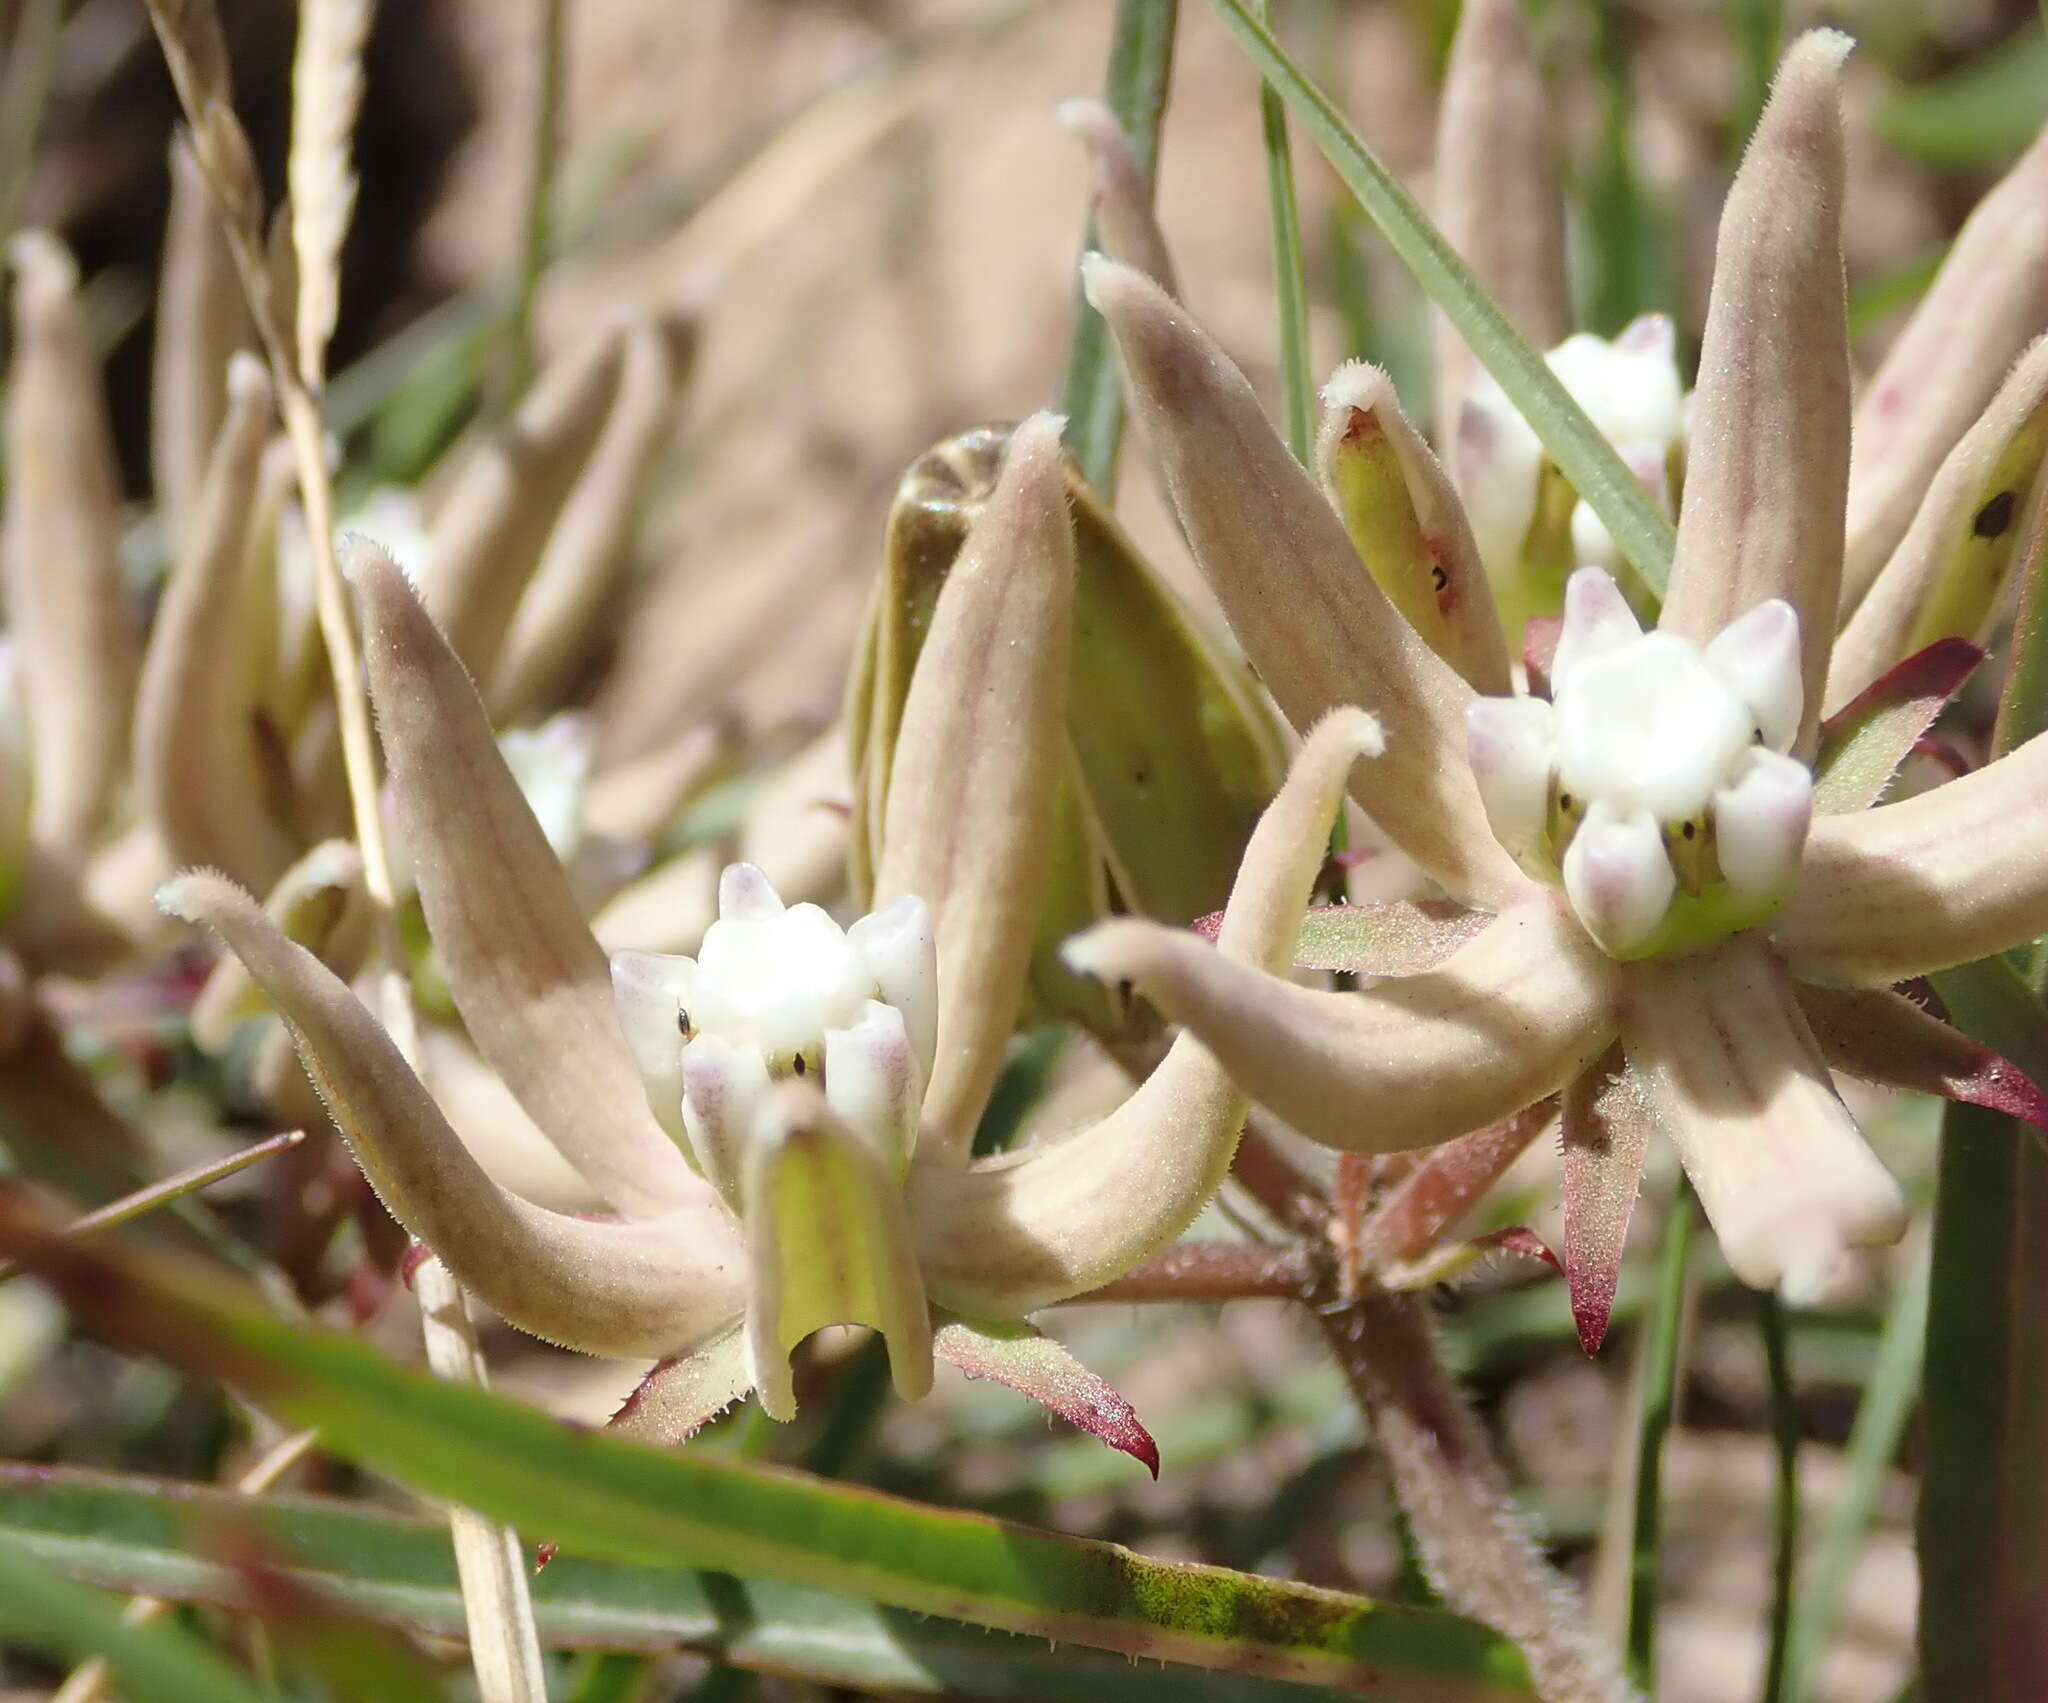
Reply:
x=1658 y=769
x=781 y=992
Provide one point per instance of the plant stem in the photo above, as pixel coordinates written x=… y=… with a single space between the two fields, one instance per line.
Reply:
x=1214 y=1271
x=1660 y=1382
x=1091 y=395
x=1785 y=1433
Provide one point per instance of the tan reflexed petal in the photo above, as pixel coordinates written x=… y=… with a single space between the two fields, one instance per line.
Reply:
x=1314 y=624
x=1124 y=223
x=1769 y=456
x=1951 y=875
x=527 y=975
x=1003 y=1238
x=1497 y=196
x=969 y=821
x=1735 y=1078
x=61 y=555
x=1948 y=577
x=655 y=1287
x=1500 y=1024
x=1989 y=298
x=196 y=765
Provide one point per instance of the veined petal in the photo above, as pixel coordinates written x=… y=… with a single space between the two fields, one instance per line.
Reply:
x=1001 y=1239
x=1883 y=1037
x=66 y=606
x=829 y=1244
x=530 y=980
x=1734 y=1076
x=1408 y=526
x=1947 y=578
x=1497 y=196
x=1314 y=624
x=654 y=1287
x=1769 y=456
x=1939 y=879
x=969 y=822
x=1989 y=298
x=1124 y=221
x=195 y=757
x=1033 y=1364
x=1606 y=1132
x=1497 y=1026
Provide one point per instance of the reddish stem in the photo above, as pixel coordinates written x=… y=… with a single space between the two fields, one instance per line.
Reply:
x=1215 y=1271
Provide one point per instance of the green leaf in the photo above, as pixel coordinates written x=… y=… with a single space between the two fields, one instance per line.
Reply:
x=1980 y=114
x=607 y=1499
x=1586 y=458
x=1290 y=282
x=43 y=1612
x=135 y=1534
x=1091 y=396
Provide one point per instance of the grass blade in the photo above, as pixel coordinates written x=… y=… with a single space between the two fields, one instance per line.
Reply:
x=1091 y=395
x=1290 y=282
x=1660 y=1388
x=43 y=1612
x=1586 y=459
x=608 y=1499
x=1873 y=1446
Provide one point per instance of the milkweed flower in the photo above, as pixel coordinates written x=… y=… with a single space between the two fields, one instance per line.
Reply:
x=781 y=1123
x=1687 y=929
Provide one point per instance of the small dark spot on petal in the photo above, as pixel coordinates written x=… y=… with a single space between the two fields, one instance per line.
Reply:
x=1690 y=830
x=1438 y=578
x=682 y=1023
x=1995 y=516
x=799 y=1066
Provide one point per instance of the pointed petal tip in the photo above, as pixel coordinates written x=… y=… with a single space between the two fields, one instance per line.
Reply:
x=248 y=377
x=1110 y=284
x=1037 y=438
x=1088 y=120
x=1592 y=1308
x=1108 y=952
x=1357 y=384
x=199 y=896
x=1827 y=48
x=1349 y=728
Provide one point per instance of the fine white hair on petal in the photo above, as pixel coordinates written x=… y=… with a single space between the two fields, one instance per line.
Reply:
x=1597 y=619
x=1760 y=824
x=1617 y=876
x=1512 y=743
x=1758 y=655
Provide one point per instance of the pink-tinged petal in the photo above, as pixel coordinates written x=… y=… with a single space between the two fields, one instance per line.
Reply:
x=1606 y=1131
x=1503 y=1022
x=1883 y=1037
x=1122 y=199
x=1445 y=1184
x=1758 y=655
x=1396 y=938
x=1540 y=640
x=969 y=825
x=1058 y=1218
x=1597 y=619
x=1989 y=298
x=1733 y=1075
x=1939 y=879
x=654 y=1286
x=682 y=1395
x=828 y=1243
x=1768 y=460
x=1761 y=820
x=530 y=980
x=1949 y=576
x=1618 y=876
x=1519 y=1239
x=1863 y=743
x=1497 y=196
x=1313 y=623
x=1033 y=1364
x=1511 y=744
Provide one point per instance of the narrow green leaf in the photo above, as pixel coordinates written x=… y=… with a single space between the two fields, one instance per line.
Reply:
x=1091 y=395
x=43 y=1612
x=1659 y=1402
x=1888 y=1398
x=1587 y=459
x=609 y=1499
x=1980 y=114
x=136 y=1535
x=1290 y=282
